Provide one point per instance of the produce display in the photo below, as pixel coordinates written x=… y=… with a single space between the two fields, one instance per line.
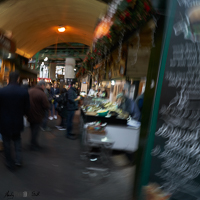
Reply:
x=100 y=107
x=83 y=94
x=96 y=128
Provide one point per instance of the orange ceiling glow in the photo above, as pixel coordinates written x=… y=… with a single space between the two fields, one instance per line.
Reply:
x=35 y=22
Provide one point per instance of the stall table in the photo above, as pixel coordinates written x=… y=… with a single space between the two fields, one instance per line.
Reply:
x=125 y=138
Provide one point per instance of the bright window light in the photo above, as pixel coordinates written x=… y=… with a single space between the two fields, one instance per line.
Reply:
x=112 y=82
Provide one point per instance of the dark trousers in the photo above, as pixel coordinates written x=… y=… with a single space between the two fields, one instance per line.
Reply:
x=45 y=120
x=53 y=107
x=63 y=121
x=70 y=118
x=16 y=138
x=35 y=128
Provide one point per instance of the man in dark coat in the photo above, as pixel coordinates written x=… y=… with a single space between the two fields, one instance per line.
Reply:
x=39 y=105
x=54 y=92
x=72 y=106
x=62 y=109
x=14 y=104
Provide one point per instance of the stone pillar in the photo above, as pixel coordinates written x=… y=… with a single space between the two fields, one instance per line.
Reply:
x=52 y=70
x=69 y=68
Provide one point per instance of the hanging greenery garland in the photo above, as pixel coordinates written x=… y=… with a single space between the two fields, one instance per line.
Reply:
x=129 y=16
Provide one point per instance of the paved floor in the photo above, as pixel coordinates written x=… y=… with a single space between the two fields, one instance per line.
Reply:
x=55 y=172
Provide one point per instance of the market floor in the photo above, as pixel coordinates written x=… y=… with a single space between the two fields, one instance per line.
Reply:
x=55 y=172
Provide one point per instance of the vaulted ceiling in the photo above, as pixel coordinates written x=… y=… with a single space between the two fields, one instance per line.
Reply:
x=34 y=23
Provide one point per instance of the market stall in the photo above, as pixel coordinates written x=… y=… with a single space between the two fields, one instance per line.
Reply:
x=118 y=64
x=125 y=137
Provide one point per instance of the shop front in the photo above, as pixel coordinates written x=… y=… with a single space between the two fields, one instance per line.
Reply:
x=21 y=64
x=119 y=66
x=128 y=63
x=7 y=56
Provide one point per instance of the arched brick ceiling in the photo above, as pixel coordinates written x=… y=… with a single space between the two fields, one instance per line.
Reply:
x=34 y=23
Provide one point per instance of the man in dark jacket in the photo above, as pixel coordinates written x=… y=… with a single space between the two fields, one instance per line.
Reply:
x=62 y=109
x=39 y=105
x=72 y=106
x=54 y=93
x=14 y=104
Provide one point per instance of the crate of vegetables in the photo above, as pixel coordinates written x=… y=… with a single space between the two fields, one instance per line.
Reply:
x=96 y=128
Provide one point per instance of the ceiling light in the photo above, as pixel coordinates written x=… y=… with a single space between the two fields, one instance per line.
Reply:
x=61 y=29
x=74 y=69
x=46 y=59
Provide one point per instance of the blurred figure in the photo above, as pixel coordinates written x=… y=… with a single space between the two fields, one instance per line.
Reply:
x=47 y=91
x=67 y=87
x=26 y=87
x=62 y=109
x=139 y=101
x=128 y=105
x=39 y=106
x=78 y=91
x=54 y=93
x=99 y=92
x=72 y=106
x=104 y=94
x=14 y=104
x=92 y=91
x=25 y=84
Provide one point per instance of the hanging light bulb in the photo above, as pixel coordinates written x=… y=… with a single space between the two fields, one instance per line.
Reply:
x=61 y=29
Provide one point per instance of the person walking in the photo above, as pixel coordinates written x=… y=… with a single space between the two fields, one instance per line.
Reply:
x=72 y=106
x=62 y=109
x=39 y=105
x=54 y=93
x=14 y=104
x=44 y=126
